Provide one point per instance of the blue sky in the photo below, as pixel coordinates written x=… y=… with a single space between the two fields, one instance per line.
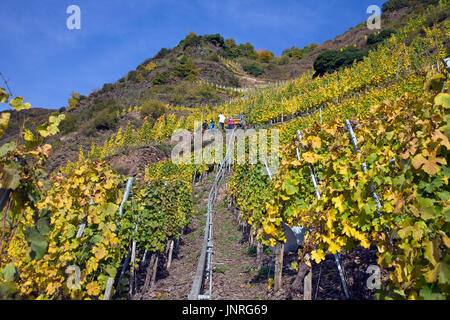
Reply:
x=44 y=61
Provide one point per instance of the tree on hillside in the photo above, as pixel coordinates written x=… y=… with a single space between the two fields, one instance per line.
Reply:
x=253 y=69
x=248 y=50
x=266 y=56
x=231 y=43
x=332 y=60
x=153 y=108
x=185 y=68
x=162 y=53
x=293 y=52
x=231 y=50
x=161 y=78
x=74 y=101
x=297 y=53
x=215 y=39
x=191 y=40
x=376 y=38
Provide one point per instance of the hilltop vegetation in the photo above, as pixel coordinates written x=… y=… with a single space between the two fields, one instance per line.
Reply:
x=392 y=5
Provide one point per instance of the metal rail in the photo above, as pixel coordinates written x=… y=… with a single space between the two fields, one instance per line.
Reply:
x=205 y=261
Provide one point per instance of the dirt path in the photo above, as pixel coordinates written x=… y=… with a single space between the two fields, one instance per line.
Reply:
x=236 y=275
x=251 y=82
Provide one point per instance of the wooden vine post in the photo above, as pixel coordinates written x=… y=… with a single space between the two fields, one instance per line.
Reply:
x=259 y=252
x=169 y=259
x=278 y=276
x=307 y=285
x=148 y=275
x=155 y=268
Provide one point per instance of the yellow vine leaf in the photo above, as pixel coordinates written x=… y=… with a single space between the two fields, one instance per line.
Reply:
x=269 y=228
x=17 y=104
x=99 y=252
x=334 y=248
x=317 y=255
x=270 y=283
x=339 y=203
x=411 y=151
x=273 y=242
x=438 y=135
x=428 y=161
x=93 y=289
x=4 y=120
x=374 y=108
x=431 y=252
x=91 y=265
x=331 y=130
x=310 y=157
x=316 y=142
x=349 y=231
x=3 y=96
x=445 y=239
x=51 y=287
x=28 y=136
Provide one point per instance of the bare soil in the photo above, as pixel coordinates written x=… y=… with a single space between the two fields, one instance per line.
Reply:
x=132 y=163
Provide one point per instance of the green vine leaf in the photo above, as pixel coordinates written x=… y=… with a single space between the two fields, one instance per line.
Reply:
x=7 y=147
x=18 y=105
x=4 y=120
x=3 y=96
x=442 y=99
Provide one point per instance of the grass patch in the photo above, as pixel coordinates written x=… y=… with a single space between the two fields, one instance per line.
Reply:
x=250 y=251
x=267 y=250
x=192 y=237
x=235 y=237
x=202 y=212
x=221 y=268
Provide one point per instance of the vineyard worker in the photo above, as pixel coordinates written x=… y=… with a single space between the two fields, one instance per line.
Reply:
x=212 y=125
x=230 y=124
x=205 y=125
x=221 y=122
